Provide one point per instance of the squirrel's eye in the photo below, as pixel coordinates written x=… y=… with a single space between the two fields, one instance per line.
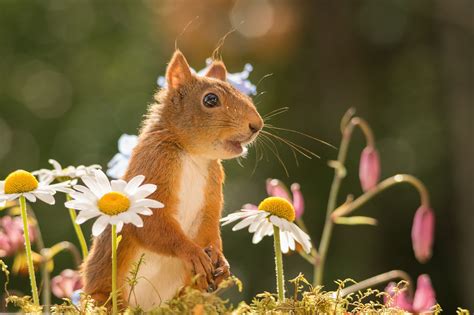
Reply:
x=210 y=100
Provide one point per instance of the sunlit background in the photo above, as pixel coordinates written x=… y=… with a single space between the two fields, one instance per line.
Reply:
x=75 y=75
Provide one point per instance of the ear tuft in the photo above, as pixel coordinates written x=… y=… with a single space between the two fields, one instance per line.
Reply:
x=217 y=71
x=178 y=72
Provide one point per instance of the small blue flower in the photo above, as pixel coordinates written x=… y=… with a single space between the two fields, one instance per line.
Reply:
x=239 y=79
x=119 y=163
x=76 y=298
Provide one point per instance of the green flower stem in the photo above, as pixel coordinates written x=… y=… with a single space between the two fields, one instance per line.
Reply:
x=114 y=270
x=49 y=253
x=379 y=279
x=279 y=264
x=383 y=185
x=31 y=268
x=347 y=127
x=45 y=274
x=77 y=228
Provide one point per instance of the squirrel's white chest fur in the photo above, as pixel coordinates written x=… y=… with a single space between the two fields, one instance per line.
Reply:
x=165 y=275
x=191 y=193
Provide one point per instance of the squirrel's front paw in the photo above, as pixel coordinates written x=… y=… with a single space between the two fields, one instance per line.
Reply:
x=199 y=263
x=219 y=263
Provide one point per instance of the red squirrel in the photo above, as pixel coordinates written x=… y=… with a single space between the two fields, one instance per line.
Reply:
x=193 y=124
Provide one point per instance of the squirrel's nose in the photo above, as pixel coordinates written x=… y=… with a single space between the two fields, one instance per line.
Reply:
x=254 y=128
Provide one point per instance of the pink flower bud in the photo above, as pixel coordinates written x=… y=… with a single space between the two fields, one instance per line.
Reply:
x=425 y=296
x=250 y=206
x=64 y=284
x=423 y=301
x=298 y=201
x=276 y=188
x=422 y=233
x=369 y=168
x=398 y=299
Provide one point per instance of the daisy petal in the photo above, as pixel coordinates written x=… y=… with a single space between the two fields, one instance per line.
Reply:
x=244 y=223
x=149 y=203
x=49 y=199
x=119 y=226
x=118 y=185
x=261 y=231
x=133 y=184
x=256 y=224
x=283 y=242
x=144 y=191
x=91 y=183
x=102 y=181
x=134 y=219
x=143 y=211
x=99 y=225
x=83 y=216
x=30 y=197
x=79 y=205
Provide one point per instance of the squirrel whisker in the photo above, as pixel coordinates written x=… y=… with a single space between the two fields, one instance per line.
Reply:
x=299 y=148
x=275 y=112
x=274 y=150
x=301 y=133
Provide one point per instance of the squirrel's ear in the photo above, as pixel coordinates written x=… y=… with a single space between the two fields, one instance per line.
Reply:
x=178 y=72
x=217 y=70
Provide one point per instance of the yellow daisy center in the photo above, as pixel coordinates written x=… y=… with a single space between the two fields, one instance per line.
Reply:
x=20 y=182
x=279 y=207
x=113 y=203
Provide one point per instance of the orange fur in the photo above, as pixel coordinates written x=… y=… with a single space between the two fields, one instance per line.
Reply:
x=178 y=125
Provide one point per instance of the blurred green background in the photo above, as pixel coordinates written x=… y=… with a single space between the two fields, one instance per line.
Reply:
x=75 y=75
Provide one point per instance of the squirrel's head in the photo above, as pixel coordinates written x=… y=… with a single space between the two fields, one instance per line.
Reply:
x=206 y=115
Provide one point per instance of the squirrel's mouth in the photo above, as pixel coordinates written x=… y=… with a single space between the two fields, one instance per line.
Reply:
x=235 y=147
x=238 y=147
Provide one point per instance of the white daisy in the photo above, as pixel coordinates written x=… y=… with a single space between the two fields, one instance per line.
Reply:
x=119 y=163
x=23 y=183
x=273 y=211
x=115 y=202
x=70 y=172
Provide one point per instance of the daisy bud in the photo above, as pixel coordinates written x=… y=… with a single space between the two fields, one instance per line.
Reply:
x=369 y=168
x=64 y=284
x=422 y=233
x=275 y=188
x=298 y=201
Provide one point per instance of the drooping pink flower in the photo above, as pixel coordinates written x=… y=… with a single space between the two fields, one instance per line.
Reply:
x=423 y=300
x=425 y=296
x=399 y=299
x=369 y=168
x=64 y=284
x=298 y=200
x=422 y=233
x=276 y=188
x=11 y=235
